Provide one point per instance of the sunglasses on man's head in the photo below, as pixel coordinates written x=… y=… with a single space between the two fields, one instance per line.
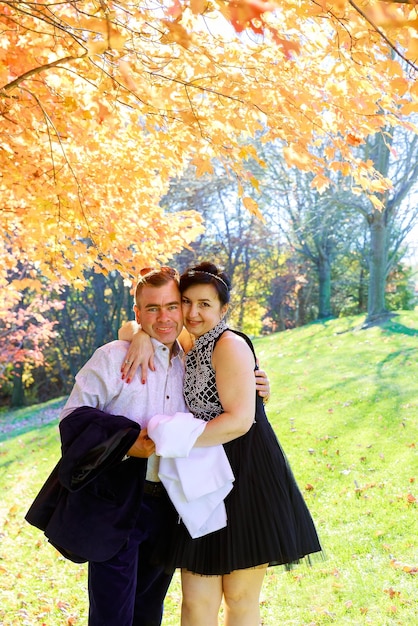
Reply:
x=146 y=272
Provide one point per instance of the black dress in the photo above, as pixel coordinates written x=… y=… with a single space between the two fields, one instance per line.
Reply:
x=268 y=520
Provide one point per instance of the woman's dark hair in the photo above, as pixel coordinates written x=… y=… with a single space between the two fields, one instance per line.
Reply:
x=207 y=274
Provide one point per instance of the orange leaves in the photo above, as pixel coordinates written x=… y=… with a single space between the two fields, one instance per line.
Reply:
x=103 y=33
x=126 y=75
x=390 y=14
x=248 y=14
x=297 y=156
x=203 y=166
x=399 y=86
x=198 y=6
x=252 y=206
x=176 y=9
x=289 y=47
x=352 y=140
x=176 y=34
x=344 y=168
x=89 y=147
x=112 y=40
x=320 y=182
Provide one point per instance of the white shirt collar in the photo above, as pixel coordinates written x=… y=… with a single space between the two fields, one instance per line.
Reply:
x=177 y=349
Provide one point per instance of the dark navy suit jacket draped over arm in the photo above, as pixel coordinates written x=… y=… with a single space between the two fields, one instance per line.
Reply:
x=92 y=498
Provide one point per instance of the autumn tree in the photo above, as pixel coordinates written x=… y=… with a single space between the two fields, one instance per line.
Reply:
x=103 y=103
x=25 y=331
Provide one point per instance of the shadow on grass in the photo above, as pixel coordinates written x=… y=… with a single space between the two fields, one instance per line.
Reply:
x=400 y=329
x=387 y=322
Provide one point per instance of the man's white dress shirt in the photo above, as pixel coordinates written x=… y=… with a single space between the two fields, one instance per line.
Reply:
x=99 y=384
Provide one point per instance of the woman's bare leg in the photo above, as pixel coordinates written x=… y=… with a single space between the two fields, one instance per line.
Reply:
x=202 y=596
x=241 y=590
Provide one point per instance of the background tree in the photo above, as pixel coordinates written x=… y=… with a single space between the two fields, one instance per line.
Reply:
x=314 y=225
x=82 y=321
x=324 y=227
x=242 y=244
x=395 y=155
x=25 y=329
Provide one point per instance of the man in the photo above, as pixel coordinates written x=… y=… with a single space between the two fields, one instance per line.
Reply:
x=118 y=536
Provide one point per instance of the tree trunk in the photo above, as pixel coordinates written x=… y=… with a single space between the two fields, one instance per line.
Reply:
x=301 y=306
x=244 y=289
x=18 y=393
x=362 y=291
x=100 y=317
x=324 y=277
x=378 y=266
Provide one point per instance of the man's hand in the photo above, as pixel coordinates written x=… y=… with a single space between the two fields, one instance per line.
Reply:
x=262 y=384
x=143 y=446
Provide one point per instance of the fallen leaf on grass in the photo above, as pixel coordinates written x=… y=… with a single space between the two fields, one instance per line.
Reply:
x=409 y=569
x=13 y=510
x=63 y=606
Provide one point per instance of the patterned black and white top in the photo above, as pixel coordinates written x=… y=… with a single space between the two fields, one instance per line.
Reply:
x=199 y=381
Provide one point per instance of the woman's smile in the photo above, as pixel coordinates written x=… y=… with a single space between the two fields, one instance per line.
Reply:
x=202 y=309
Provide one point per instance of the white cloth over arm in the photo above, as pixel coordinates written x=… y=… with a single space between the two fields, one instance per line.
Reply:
x=196 y=479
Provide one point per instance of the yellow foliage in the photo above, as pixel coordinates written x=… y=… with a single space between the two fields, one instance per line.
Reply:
x=320 y=182
x=252 y=206
x=102 y=105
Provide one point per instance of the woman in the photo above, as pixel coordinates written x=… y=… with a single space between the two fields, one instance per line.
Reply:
x=268 y=520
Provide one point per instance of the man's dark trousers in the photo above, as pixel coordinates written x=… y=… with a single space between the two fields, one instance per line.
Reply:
x=129 y=589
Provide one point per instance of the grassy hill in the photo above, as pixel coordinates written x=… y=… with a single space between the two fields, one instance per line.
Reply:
x=345 y=408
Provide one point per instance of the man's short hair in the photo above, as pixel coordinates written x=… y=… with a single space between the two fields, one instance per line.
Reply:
x=155 y=277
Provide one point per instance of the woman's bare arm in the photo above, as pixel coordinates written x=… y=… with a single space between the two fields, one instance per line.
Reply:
x=140 y=352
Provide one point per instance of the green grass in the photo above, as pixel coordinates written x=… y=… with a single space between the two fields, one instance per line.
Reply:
x=345 y=408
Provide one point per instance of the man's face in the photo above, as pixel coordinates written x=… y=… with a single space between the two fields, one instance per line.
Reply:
x=159 y=312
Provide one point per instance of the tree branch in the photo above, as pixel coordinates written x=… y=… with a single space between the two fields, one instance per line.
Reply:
x=37 y=70
x=382 y=34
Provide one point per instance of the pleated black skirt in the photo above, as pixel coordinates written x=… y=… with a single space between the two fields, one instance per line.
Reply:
x=268 y=519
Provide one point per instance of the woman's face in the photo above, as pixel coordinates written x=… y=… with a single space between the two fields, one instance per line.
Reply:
x=202 y=309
